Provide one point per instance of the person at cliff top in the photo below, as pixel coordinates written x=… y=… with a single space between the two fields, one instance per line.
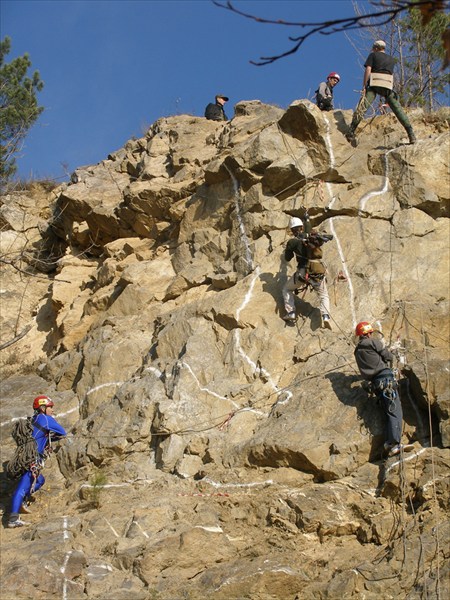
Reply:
x=215 y=111
x=306 y=246
x=324 y=93
x=379 y=79
x=374 y=361
x=45 y=430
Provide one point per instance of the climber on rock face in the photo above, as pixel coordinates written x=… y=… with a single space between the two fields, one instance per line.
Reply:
x=378 y=79
x=374 y=361
x=45 y=430
x=324 y=93
x=306 y=246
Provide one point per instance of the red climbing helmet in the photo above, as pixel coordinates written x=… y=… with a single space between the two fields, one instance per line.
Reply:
x=334 y=75
x=363 y=328
x=42 y=401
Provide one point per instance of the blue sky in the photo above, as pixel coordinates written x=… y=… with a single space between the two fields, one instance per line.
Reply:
x=111 y=67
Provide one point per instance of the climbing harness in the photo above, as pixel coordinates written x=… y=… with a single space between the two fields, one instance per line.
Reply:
x=383 y=107
x=387 y=387
x=303 y=279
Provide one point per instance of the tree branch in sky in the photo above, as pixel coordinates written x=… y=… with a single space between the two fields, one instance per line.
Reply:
x=389 y=10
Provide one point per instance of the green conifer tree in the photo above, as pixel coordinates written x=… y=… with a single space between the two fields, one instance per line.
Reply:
x=424 y=82
x=19 y=107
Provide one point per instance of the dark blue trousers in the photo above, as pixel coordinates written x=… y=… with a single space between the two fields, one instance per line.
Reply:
x=23 y=489
x=385 y=387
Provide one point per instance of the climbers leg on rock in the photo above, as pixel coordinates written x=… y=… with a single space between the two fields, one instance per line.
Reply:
x=411 y=136
x=351 y=138
x=326 y=321
x=290 y=317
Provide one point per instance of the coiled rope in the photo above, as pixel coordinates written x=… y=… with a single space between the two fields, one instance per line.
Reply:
x=26 y=453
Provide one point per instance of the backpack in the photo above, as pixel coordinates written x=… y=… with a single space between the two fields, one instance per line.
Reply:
x=314 y=252
x=26 y=453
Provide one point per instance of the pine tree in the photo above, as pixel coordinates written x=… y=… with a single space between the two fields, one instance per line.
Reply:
x=424 y=82
x=19 y=108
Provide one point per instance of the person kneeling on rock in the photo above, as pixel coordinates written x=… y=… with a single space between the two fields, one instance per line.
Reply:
x=324 y=93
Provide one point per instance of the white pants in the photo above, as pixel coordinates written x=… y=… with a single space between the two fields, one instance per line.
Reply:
x=320 y=287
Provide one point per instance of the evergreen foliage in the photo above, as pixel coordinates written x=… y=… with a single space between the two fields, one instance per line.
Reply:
x=423 y=82
x=19 y=107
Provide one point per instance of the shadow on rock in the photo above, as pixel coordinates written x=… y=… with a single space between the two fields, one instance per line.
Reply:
x=340 y=121
x=6 y=489
x=350 y=392
x=273 y=285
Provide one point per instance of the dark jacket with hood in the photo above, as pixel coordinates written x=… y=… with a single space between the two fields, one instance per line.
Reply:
x=372 y=357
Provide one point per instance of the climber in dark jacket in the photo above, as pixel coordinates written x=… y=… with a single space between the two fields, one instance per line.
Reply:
x=374 y=361
x=378 y=79
x=216 y=112
x=306 y=245
x=45 y=430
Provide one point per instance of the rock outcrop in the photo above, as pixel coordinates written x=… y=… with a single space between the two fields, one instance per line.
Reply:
x=213 y=450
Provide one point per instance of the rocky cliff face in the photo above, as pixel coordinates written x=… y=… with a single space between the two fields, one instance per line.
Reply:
x=213 y=450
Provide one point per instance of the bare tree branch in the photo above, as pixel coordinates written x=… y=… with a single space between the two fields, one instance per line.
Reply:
x=17 y=338
x=27 y=273
x=381 y=17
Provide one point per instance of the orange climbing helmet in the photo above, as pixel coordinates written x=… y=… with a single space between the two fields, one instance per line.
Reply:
x=42 y=401
x=363 y=328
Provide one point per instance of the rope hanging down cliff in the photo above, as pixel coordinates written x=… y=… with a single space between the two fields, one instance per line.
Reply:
x=403 y=360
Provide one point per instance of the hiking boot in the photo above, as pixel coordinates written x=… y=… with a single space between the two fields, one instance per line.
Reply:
x=326 y=321
x=351 y=138
x=24 y=509
x=16 y=523
x=397 y=449
x=289 y=317
x=411 y=135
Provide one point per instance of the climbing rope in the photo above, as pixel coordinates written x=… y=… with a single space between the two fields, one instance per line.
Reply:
x=222 y=421
x=422 y=332
x=26 y=454
x=290 y=151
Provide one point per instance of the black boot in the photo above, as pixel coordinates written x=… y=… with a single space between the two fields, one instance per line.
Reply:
x=411 y=136
x=350 y=137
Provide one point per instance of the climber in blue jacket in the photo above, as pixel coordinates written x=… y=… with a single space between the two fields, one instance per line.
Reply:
x=45 y=431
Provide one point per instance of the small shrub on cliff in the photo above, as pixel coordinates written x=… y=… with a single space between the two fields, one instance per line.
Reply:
x=91 y=495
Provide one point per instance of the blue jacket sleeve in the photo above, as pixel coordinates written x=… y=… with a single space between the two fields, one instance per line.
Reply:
x=51 y=425
x=46 y=428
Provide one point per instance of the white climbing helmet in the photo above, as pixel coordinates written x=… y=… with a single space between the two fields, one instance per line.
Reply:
x=295 y=222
